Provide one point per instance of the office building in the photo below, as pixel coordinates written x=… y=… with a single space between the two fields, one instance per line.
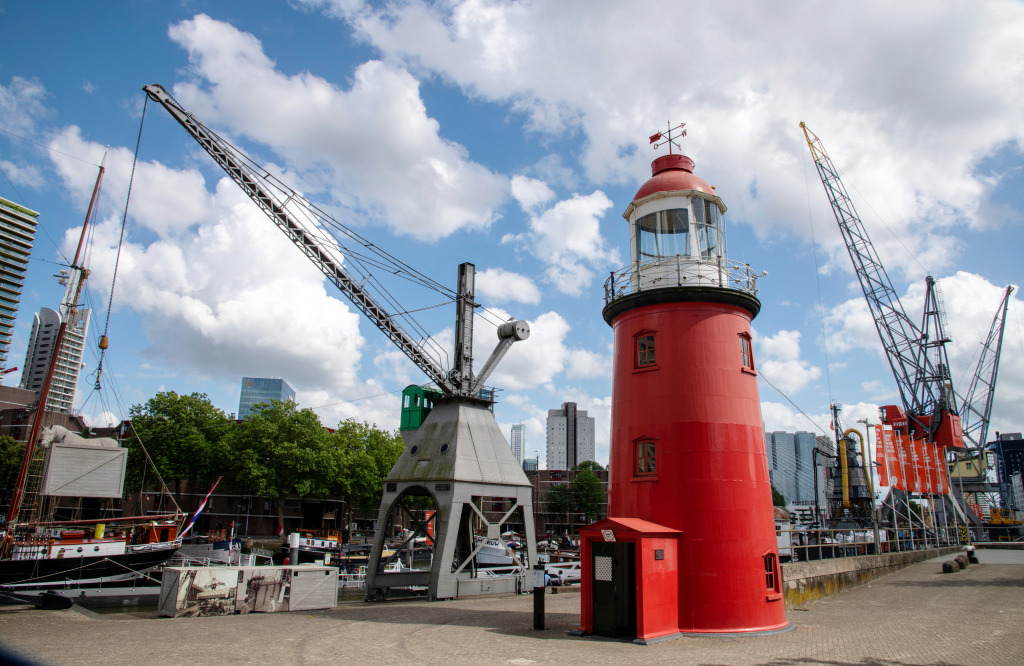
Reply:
x=531 y=465
x=45 y=325
x=791 y=465
x=518 y=441
x=259 y=389
x=570 y=437
x=17 y=232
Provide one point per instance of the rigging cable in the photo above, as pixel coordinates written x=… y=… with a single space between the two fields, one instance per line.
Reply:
x=788 y=399
x=817 y=281
x=120 y=242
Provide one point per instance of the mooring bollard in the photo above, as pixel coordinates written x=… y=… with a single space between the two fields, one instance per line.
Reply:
x=293 y=547
x=538 y=596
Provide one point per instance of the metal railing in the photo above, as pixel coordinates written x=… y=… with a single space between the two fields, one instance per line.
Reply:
x=681 y=271
x=802 y=544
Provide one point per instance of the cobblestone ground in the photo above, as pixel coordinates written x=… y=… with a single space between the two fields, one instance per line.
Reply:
x=916 y=616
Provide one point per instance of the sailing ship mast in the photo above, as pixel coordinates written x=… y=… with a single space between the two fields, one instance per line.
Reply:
x=76 y=280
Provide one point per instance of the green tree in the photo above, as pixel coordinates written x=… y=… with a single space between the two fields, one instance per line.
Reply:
x=365 y=456
x=588 y=494
x=183 y=435
x=280 y=450
x=777 y=498
x=590 y=465
x=11 y=453
x=559 y=499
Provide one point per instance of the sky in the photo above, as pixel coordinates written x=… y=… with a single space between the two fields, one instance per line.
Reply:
x=512 y=135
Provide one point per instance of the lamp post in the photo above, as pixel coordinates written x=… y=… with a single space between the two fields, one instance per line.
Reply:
x=869 y=464
x=869 y=469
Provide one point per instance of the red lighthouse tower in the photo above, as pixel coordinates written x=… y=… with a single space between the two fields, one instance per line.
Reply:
x=689 y=545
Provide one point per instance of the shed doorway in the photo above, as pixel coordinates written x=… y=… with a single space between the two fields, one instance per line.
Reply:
x=614 y=567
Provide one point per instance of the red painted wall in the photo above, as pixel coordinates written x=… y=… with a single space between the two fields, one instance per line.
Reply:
x=703 y=410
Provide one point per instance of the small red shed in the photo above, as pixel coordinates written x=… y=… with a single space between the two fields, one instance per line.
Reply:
x=630 y=579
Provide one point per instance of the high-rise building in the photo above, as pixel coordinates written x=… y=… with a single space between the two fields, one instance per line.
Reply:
x=259 y=389
x=45 y=324
x=518 y=441
x=531 y=465
x=17 y=232
x=570 y=437
x=791 y=465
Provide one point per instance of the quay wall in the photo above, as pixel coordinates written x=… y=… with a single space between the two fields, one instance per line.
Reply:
x=807 y=581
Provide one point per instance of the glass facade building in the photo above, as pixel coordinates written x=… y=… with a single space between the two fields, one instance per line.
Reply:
x=259 y=389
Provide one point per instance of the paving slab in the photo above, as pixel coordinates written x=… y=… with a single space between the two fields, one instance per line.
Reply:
x=912 y=617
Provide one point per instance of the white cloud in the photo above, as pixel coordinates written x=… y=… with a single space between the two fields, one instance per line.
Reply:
x=945 y=74
x=585 y=364
x=780 y=362
x=501 y=286
x=567 y=239
x=210 y=306
x=26 y=175
x=530 y=192
x=21 y=105
x=373 y=145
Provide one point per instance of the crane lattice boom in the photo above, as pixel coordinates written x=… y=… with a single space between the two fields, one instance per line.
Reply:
x=275 y=200
x=923 y=381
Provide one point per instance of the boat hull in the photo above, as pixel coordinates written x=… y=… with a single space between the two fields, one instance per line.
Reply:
x=49 y=572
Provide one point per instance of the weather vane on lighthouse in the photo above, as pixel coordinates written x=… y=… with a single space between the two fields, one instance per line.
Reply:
x=658 y=139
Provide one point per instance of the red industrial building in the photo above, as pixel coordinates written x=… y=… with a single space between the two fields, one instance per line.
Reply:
x=689 y=545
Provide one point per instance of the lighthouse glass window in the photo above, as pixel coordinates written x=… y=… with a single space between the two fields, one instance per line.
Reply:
x=663 y=234
x=707 y=227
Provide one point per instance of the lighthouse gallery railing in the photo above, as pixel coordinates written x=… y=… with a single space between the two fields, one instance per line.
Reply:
x=680 y=271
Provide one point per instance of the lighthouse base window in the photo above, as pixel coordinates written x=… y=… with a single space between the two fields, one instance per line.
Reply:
x=645 y=458
x=645 y=351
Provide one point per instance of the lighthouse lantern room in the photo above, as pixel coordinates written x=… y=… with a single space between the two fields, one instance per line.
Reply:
x=689 y=543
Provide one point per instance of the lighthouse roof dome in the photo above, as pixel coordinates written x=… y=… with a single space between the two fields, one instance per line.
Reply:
x=672 y=173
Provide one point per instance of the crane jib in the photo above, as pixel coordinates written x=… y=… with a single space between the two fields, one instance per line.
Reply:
x=916 y=355
x=223 y=153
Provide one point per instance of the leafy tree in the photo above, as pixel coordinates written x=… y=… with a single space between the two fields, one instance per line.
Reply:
x=559 y=499
x=777 y=498
x=279 y=450
x=365 y=455
x=183 y=435
x=590 y=465
x=11 y=453
x=588 y=494
x=368 y=454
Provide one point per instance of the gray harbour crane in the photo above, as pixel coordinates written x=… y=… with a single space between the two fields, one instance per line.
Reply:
x=458 y=455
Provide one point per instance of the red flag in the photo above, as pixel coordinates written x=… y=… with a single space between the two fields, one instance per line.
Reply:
x=655 y=137
x=905 y=449
x=894 y=458
x=880 y=458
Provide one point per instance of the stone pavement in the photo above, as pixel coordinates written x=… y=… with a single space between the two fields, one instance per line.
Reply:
x=916 y=616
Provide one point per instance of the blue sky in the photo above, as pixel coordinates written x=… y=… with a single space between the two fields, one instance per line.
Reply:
x=513 y=135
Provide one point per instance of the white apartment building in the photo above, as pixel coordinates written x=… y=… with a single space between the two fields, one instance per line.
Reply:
x=570 y=437
x=45 y=324
x=518 y=441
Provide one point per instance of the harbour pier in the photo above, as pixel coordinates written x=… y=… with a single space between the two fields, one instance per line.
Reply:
x=915 y=616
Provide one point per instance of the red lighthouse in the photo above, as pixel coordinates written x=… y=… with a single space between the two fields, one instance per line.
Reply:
x=689 y=545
